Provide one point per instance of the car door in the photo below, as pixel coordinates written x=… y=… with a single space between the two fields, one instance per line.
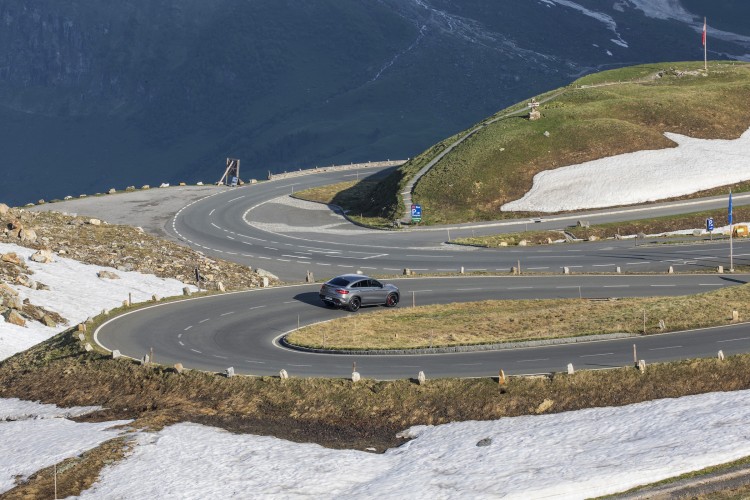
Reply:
x=377 y=292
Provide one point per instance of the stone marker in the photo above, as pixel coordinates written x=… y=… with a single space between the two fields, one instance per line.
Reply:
x=155 y=298
x=501 y=378
x=88 y=347
x=421 y=378
x=116 y=354
x=178 y=368
x=720 y=269
x=721 y=355
x=309 y=278
x=355 y=377
x=264 y=282
x=229 y=372
x=81 y=337
x=94 y=222
x=571 y=370
x=618 y=270
x=662 y=325
x=642 y=366
x=186 y=291
x=461 y=270
x=735 y=316
x=671 y=270
x=82 y=327
x=566 y=270
x=220 y=286
x=407 y=271
x=283 y=375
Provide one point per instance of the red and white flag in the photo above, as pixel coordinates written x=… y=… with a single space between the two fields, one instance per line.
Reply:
x=704 y=31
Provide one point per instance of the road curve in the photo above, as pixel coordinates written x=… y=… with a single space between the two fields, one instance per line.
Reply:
x=261 y=226
x=240 y=329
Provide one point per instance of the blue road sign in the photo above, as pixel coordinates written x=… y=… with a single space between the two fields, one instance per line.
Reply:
x=416 y=213
x=710 y=224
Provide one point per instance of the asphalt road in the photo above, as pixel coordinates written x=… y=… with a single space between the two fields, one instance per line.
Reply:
x=262 y=226
x=241 y=329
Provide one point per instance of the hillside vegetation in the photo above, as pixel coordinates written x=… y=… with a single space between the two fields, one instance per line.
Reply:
x=600 y=115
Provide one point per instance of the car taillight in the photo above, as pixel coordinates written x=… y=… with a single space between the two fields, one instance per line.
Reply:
x=342 y=291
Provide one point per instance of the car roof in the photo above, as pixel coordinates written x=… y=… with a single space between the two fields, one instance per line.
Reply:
x=353 y=277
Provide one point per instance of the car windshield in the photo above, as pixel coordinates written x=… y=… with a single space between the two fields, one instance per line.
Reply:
x=339 y=281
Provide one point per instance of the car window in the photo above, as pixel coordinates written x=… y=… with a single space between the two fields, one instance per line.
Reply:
x=358 y=284
x=376 y=284
x=339 y=281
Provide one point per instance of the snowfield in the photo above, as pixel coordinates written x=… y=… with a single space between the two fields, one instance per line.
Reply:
x=577 y=454
x=75 y=293
x=694 y=165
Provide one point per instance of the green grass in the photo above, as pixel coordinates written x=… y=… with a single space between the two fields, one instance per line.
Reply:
x=499 y=321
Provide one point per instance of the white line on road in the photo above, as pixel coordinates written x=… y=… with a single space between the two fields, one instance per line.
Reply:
x=662 y=285
x=636 y=263
x=258 y=362
x=220 y=357
x=256 y=307
x=211 y=212
x=592 y=355
x=196 y=350
x=662 y=348
x=616 y=286
x=188 y=328
x=532 y=268
x=228 y=313
x=321 y=264
x=467 y=289
x=182 y=343
x=531 y=360
x=300 y=365
x=710 y=284
x=204 y=320
x=732 y=340
x=520 y=288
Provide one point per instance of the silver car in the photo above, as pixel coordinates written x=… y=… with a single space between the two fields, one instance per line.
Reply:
x=354 y=290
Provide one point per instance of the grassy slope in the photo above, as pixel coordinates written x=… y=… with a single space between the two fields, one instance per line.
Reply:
x=497 y=321
x=497 y=164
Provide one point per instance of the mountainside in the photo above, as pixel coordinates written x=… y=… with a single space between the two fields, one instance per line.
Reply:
x=109 y=94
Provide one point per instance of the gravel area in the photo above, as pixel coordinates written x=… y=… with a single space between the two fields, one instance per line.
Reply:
x=150 y=209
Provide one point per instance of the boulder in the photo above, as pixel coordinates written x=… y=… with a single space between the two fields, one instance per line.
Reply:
x=48 y=321
x=107 y=275
x=112 y=191
x=4 y=209
x=11 y=258
x=27 y=235
x=94 y=222
x=265 y=274
x=42 y=256
x=14 y=318
x=523 y=243
x=145 y=186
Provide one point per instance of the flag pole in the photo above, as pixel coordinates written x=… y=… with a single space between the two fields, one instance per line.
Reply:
x=705 y=47
x=731 y=220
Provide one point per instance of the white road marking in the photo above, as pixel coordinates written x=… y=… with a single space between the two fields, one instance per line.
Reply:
x=531 y=360
x=188 y=328
x=258 y=362
x=520 y=288
x=710 y=284
x=230 y=238
x=300 y=365
x=616 y=286
x=321 y=264
x=283 y=260
x=466 y=289
x=256 y=307
x=662 y=285
x=662 y=348
x=533 y=268
x=227 y=314
x=290 y=302
x=603 y=265
x=179 y=335
x=732 y=340
x=196 y=350
x=295 y=256
x=211 y=212
x=182 y=343
x=419 y=291
x=636 y=263
x=220 y=357
x=204 y=320
x=593 y=355
x=270 y=248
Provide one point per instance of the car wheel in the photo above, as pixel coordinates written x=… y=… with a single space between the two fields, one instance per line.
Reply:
x=391 y=300
x=354 y=304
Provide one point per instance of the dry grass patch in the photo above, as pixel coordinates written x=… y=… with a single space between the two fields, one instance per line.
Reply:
x=500 y=321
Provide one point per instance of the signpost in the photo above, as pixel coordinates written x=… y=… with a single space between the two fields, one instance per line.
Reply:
x=710 y=227
x=416 y=213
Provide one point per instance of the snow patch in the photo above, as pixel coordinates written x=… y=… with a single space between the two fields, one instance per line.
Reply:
x=694 y=165
x=579 y=454
x=75 y=293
